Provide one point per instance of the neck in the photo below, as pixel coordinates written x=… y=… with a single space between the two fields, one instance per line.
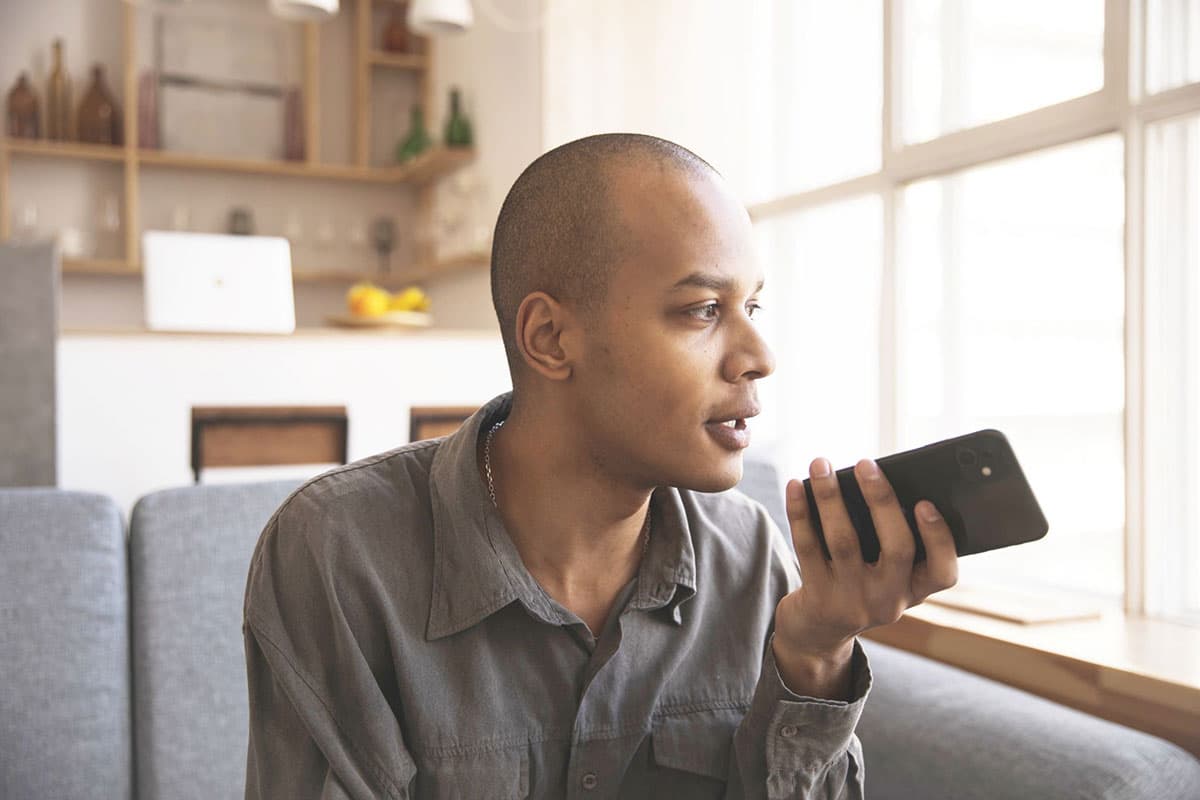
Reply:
x=583 y=537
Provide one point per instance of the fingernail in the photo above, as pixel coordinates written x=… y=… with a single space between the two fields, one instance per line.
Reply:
x=870 y=469
x=822 y=468
x=794 y=490
x=929 y=512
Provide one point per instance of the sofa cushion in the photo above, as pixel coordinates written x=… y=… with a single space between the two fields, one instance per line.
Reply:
x=64 y=646
x=934 y=731
x=189 y=551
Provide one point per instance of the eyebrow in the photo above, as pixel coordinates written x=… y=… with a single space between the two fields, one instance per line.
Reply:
x=708 y=280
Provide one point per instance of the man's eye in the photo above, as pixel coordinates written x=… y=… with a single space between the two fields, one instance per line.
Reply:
x=700 y=313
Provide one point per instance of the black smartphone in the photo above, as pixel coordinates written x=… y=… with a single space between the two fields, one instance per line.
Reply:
x=975 y=482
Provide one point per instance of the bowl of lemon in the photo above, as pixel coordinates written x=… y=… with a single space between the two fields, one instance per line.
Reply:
x=371 y=306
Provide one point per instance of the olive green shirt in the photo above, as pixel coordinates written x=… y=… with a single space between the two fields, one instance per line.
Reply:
x=397 y=647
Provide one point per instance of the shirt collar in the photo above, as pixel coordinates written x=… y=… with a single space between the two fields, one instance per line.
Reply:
x=477 y=569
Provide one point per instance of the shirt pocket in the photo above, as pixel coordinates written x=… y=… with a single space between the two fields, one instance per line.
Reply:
x=492 y=775
x=692 y=750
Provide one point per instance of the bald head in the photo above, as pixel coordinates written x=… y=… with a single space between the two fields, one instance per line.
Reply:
x=562 y=229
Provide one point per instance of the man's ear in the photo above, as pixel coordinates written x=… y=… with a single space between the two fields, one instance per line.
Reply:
x=547 y=335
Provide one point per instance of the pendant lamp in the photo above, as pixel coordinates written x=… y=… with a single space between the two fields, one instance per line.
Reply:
x=440 y=17
x=305 y=10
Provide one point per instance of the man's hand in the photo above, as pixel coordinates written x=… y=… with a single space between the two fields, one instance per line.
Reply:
x=840 y=598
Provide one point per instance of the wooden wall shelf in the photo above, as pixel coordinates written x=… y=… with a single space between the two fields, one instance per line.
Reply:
x=380 y=58
x=430 y=165
x=398 y=279
x=420 y=173
x=71 y=150
x=99 y=266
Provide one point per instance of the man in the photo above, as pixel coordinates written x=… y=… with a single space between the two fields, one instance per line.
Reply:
x=562 y=599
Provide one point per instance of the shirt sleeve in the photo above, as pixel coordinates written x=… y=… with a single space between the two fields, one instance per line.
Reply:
x=320 y=725
x=792 y=746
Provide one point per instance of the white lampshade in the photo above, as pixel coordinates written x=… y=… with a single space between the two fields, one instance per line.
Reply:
x=440 y=17
x=305 y=10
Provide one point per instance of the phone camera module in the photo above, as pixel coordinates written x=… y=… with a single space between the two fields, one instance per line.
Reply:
x=966 y=457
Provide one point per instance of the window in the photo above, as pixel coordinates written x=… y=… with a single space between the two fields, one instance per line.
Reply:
x=1172 y=368
x=1172 y=44
x=823 y=288
x=1010 y=315
x=976 y=214
x=967 y=62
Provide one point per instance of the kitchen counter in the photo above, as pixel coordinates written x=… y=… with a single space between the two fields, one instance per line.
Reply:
x=309 y=332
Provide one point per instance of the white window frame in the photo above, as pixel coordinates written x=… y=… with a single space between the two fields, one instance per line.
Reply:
x=1120 y=106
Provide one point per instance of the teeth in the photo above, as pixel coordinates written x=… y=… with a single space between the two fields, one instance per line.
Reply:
x=730 y=424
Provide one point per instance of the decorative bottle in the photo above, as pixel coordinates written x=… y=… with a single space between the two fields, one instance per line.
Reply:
x=458 y=127
x=21 y=119
x=58 y=98
x=99 y=115
x=417 y=140
x=396 y=38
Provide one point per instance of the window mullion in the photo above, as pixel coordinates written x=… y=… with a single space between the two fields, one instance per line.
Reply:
x=1124 y=40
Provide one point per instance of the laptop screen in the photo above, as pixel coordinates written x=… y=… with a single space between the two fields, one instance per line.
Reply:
x=212 y=282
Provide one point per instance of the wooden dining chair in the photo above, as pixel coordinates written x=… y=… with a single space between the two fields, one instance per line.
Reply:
x=429 y=422
x=251 y=436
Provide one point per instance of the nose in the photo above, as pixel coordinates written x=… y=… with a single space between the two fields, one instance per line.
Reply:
x=752 y=356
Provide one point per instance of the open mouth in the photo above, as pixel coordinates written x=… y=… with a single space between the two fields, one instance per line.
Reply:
x=733 y=434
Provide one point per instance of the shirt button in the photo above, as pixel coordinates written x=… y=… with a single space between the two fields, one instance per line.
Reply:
x=590 y=781
x=788 y=731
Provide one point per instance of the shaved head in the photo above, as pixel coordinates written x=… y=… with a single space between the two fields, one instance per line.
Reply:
x=561 y=229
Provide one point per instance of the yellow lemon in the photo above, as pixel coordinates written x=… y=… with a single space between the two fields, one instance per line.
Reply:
x=408 y=300
x=356 y=291
x=372 y=302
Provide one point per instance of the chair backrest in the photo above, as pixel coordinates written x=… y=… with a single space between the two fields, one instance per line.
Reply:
x=29 y=301
x=189 y=555
x=250 y=436
x=64 y=646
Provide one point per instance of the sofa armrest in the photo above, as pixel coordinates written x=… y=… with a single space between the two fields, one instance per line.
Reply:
x=931 y=730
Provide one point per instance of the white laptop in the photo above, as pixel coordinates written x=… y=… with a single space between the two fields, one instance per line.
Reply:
x=213 y=282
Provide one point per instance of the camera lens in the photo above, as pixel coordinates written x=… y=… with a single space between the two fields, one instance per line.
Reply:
x=966 y=457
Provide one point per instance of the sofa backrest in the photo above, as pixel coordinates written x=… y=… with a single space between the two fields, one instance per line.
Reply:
x=762 y=482
x=64 y=646
x=189 y=554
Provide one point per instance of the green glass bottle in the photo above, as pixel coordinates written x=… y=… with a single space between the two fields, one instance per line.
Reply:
x=458 y=127
x=417 y=140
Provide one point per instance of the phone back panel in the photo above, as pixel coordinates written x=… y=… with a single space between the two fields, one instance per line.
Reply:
x=975 y=482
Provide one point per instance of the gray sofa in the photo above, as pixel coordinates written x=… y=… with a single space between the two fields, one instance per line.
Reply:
x=122 y=670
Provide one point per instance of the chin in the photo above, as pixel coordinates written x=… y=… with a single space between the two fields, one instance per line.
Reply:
x=716 y=475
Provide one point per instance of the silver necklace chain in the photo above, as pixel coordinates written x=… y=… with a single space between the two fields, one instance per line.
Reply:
x=487 y=467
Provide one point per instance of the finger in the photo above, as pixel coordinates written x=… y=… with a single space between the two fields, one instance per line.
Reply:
x=896 y=543
x=939 y=570
x=813 y=566
x=840 y=536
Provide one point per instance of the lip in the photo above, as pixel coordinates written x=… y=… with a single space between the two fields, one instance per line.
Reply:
x=742 y=413
x=730 y=438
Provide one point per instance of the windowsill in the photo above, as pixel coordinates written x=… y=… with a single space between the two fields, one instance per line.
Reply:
x=1138 y=672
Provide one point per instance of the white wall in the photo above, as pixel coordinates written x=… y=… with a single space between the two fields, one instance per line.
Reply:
x=498 y=70
x=124 y=401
